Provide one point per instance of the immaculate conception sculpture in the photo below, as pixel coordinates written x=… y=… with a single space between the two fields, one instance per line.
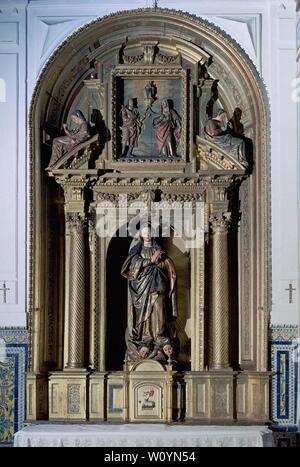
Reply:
x=152 y=277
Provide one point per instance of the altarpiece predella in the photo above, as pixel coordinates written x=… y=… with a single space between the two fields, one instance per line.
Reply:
x=148 y=241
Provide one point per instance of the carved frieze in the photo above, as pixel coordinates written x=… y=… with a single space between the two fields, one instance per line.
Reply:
x=133 y=59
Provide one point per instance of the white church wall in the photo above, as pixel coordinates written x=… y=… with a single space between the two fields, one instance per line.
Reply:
x=297 y=98
x=265 y=29
x=12 y=162
x=285 y=237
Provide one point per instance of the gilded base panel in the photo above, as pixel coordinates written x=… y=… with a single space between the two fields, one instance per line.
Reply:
x=115 y=396
x=252 y=397
x=36 y=396
x=227 y=396
x=210 y=396
x=68 y=395
x=151 y=392
x=97 y=396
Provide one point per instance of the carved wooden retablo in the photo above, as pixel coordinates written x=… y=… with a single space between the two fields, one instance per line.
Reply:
x=149 y=118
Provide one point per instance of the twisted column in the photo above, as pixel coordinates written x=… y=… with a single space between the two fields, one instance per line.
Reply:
x=219 y=293
x=76 y=224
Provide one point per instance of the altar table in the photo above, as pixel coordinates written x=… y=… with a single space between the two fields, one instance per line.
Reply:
x=140 y=435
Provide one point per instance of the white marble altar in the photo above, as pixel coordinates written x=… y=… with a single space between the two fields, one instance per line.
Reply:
x=142 y=435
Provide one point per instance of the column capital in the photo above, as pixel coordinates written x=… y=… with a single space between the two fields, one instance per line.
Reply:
x=220 y=221
x=76 y=221
x=73 y=186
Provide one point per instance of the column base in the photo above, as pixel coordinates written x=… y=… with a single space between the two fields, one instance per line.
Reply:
x=79 y=370
x=68 y=395
x=221 y=368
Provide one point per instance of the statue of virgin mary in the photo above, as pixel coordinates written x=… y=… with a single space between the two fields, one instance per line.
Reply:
x=152 y=299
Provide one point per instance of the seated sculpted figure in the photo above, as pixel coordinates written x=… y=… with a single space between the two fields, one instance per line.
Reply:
x=217 y=130
x=151 y=275
x=64 y=144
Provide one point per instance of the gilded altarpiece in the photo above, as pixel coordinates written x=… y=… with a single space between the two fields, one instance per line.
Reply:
x=146 y=93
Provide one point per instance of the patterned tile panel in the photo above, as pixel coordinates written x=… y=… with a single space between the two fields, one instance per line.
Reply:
x=284 y=364
x=13 y=363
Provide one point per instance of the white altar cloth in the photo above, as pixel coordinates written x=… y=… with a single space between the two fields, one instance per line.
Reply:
x=138 y=435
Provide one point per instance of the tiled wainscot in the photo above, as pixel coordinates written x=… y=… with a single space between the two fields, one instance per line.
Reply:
x=13 y=362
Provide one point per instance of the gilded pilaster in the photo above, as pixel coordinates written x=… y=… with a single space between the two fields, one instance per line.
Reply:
x=93 y=354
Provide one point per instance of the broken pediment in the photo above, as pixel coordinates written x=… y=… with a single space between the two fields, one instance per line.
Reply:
x=149 y=51
x=161 y=51
x=79 y=157
x=213 y=157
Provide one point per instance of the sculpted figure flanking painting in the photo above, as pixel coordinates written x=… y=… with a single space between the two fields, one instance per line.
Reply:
x=64 y=144
x=222 y=132
x=152 y=277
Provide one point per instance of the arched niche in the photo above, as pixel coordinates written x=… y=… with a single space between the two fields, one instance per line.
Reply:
x=117 y=298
